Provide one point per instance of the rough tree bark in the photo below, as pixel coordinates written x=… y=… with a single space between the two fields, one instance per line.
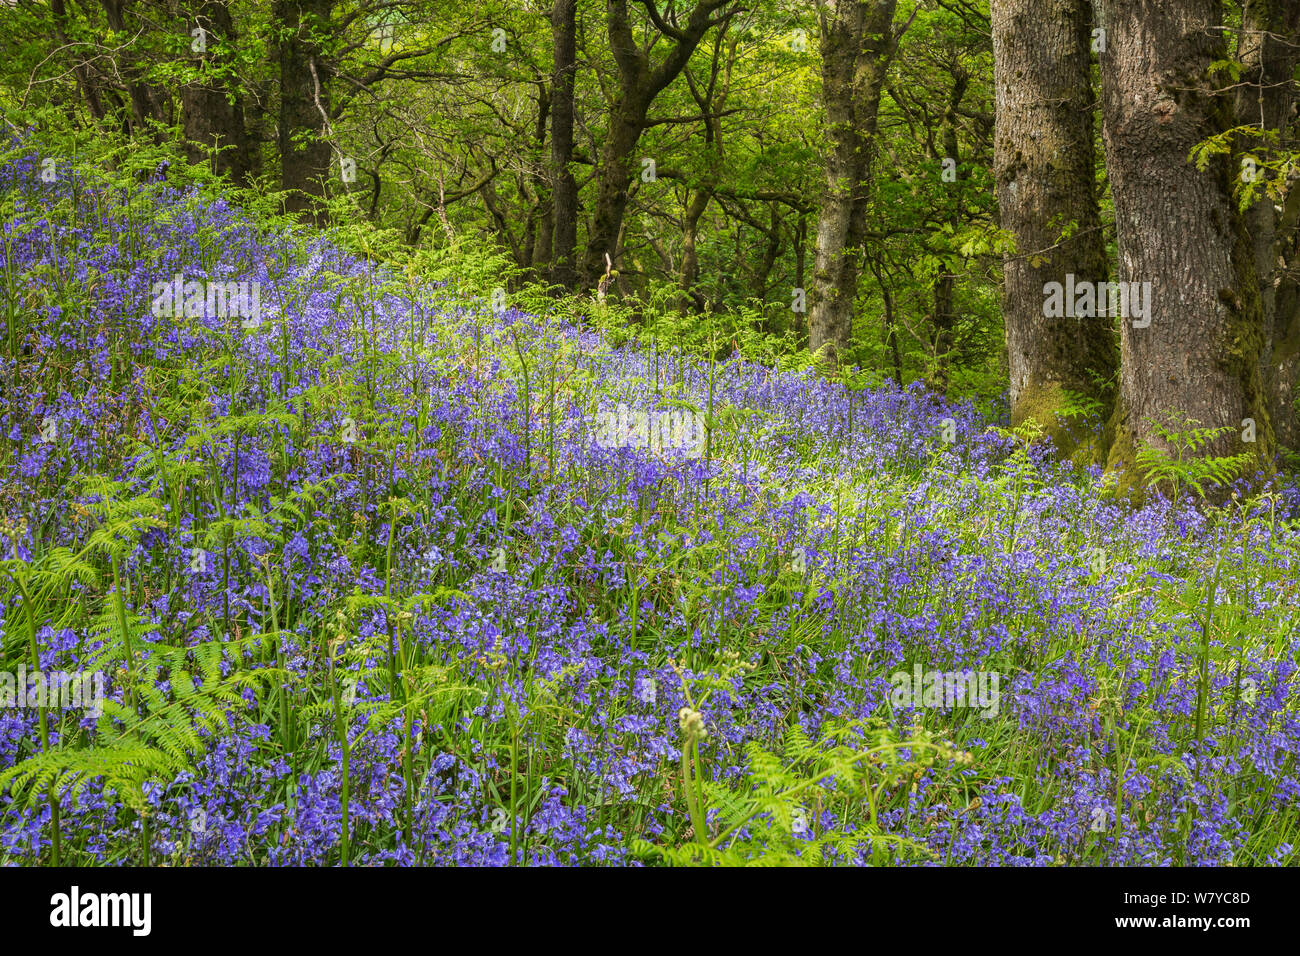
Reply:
x=858 y=43
x=1044 y=167
x=1180 y=230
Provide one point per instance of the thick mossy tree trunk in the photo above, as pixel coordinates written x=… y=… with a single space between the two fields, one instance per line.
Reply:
x=1196 y=356
x=858 y=43
x=1044 y=165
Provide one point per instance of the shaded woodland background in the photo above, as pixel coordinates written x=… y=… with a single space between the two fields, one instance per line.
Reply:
x=886 y=185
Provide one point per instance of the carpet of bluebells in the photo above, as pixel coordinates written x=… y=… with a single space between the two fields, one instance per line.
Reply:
x=367 y=590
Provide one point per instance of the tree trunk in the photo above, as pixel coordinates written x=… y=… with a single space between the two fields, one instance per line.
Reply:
x=1046 y=189
x=638 y=84
x=763 y=274
x=945 y=285
x=690 y=270
x=857 y=45
x=144 y=104
x=213 y=114
x=800 y=268
x=626 y=123
x=537 y=242
x=1180 y=231
x=303 y=169
x=564 y=188
x=890 y=327
x=87 y=83
x=944 y=322
x=1280 y=361
x=1268 y=51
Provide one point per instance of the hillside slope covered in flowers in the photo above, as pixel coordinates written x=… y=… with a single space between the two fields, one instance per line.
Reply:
x=369 y=586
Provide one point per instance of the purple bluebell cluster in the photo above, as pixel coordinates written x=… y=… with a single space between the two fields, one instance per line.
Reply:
x=378 y=448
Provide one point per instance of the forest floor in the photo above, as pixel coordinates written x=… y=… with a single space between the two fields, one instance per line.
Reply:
x=381 y=571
